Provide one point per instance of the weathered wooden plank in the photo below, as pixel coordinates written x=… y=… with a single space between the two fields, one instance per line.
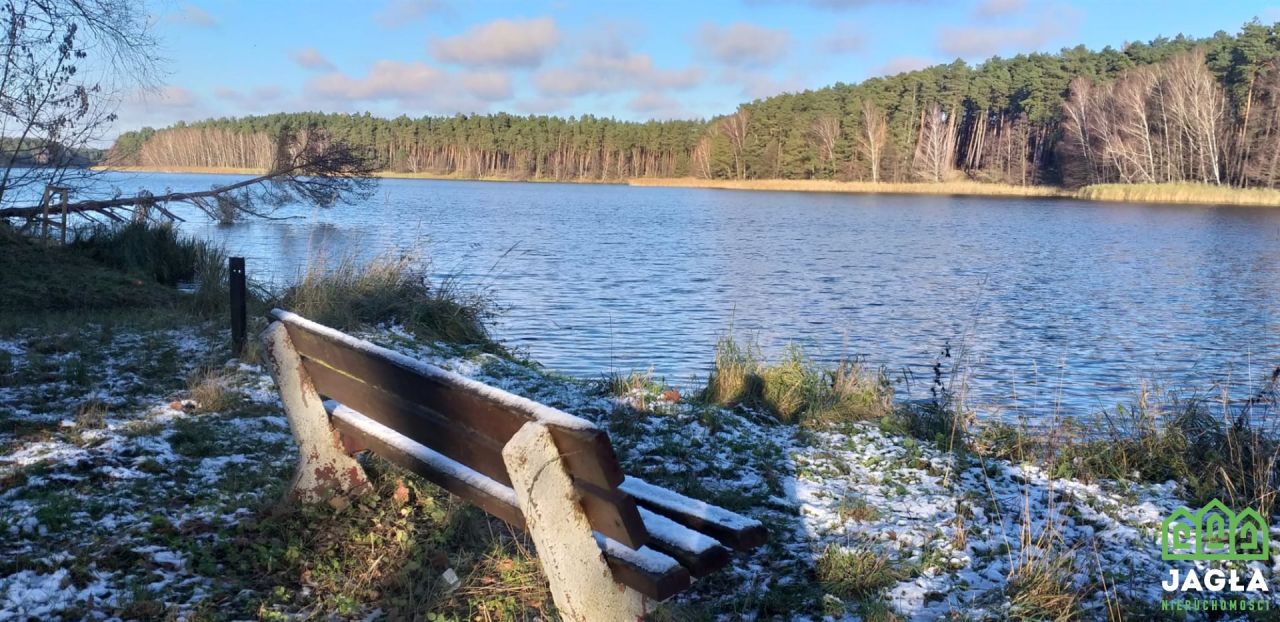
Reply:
x=610 y=512
x=698 y=552
x=613 y=514
x=478 y=409
x=588 y=454
x=735 y=530
x=643 y=570
x=435 y=467
x=412 y=420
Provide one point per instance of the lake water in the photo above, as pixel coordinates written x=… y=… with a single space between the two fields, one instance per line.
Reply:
x=1057 y=306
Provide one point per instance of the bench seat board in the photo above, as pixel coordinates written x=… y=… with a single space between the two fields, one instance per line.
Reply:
x=738 y=531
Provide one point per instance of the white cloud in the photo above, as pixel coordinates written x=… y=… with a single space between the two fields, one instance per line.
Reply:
x=399 y=13
x=387 y=79
x=903 y=64
x=999 y=8
x=414 y=83
x=542 y=105
x=742 y=44
x=191 y=15
x=759 y=84
x=620 y=70
x=983 y=41
x=501 y=43
x=845 y=38
x=488 y=85
x=168 y=96
x=256 y=99
x=656 y=106
x=311 y=58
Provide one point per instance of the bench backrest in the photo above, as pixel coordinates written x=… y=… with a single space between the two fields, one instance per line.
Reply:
x=465 y=420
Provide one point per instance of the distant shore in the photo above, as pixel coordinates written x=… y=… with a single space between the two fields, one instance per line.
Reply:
x=1173 y=193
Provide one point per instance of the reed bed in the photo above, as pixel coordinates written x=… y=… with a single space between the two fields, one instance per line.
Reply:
x=1204 y=194
x=967 y=188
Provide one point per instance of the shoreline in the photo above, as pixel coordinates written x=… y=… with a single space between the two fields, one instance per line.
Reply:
x=1163 y=193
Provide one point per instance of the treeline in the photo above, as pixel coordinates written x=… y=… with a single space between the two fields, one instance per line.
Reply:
x=1179 y=109
x=32 y=152
x=498 y=145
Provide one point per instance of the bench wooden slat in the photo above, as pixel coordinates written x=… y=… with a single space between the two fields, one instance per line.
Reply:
x=698 y=552
x=644 y=570
x=436 y=468
x=611 y=512
x=647 y=571
x=588 y=454
x=414 y=421
x=735 y=530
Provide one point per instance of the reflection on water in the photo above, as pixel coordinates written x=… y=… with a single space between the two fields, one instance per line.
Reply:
x=1058 y=304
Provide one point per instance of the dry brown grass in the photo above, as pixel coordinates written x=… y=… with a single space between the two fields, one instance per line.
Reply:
x=1191 y=193
x=391 y=288
x=1202 y=194
x=205 y=170
x=973 y=188
x=208 y=388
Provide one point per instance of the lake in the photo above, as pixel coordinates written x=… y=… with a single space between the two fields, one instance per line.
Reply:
x=1052 y=306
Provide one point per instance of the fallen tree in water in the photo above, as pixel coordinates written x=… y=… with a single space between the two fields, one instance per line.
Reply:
x=309 y=168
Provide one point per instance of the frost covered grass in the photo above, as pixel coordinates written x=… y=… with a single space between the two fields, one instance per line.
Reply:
x=156 y=493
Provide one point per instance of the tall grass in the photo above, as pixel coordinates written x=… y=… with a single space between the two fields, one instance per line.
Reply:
x=1139 y=193
x=1216 y=449
x=974 y=188
x=794 y=389
x=1181 y=193
x=354 y=293
x=154 y=252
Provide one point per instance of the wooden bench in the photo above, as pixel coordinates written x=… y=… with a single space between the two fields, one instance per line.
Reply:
x=535 y=467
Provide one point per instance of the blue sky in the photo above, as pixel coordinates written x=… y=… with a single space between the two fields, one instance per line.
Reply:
x=630 y=60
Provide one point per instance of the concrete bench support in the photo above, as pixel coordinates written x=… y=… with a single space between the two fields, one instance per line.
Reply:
x=581 y=582
x=324 y=468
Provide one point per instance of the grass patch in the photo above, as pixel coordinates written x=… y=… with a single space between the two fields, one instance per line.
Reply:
x=209 y=389
x=36 y=278
x=352 y=294
x=1205 y=194
x=858 y=573
x=389 y=549
x=794 y=389
x=1040 y=588
x=974 y=188
x=1215 y=450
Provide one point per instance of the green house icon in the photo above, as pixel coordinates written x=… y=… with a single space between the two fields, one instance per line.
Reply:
x=1214 y=533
